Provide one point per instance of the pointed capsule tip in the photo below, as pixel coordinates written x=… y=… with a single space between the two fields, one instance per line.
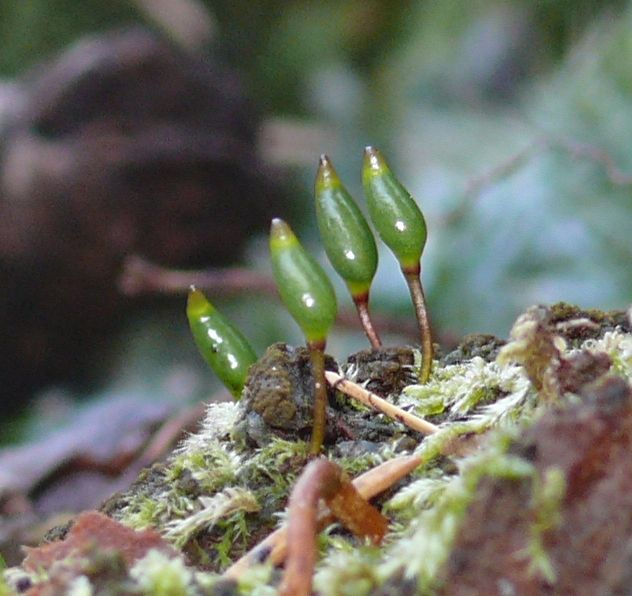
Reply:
x=278 y=226
x=326 y=176
x=196 y=301
x=281 y=233
x=373 y=160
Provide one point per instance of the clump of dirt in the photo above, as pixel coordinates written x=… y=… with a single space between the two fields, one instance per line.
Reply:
x=385 y=371
x=577 y=324
x=483 y=345
x=278 y=397
x=96 y=548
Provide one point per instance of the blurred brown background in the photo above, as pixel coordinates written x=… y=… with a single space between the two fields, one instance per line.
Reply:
x=175 y=129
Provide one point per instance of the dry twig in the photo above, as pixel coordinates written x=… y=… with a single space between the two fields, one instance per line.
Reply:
x=544 y=142
x=141 y=276
x=374 y=401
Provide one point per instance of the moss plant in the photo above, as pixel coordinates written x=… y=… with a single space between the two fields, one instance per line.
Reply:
x=495 y=392
x=209 y=461
x=307 y=292
x=427 y=536
x=348 y=241
x=203 y=498
x=547 y=496
x=402 y=227
x=310 y=298
x=159 y=575
x=224 y=490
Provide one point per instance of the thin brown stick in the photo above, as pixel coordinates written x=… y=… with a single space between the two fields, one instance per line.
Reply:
x=297 y=579
x=317 y=357
x=543 y=143
x=596 y=154
x=170 y=432
x=141 y=276
x=384 y=476
x=505 y=168
x=322 y=479
x=370 y=484
x=413 y=280
x=374 y=401
x=362 y=306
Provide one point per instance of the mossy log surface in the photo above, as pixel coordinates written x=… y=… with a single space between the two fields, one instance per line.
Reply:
x=524 y=489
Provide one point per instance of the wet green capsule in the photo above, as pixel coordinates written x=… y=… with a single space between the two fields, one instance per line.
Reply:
x=304 y=287
x=221 y=344
x=394 y=213
x=347 y=238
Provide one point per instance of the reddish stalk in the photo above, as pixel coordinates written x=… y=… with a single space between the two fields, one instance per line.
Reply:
x=317 y=356
x=413 y=280
x=362 y=305
x=323 y=479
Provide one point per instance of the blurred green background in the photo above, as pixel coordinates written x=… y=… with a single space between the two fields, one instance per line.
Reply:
x=509 y=121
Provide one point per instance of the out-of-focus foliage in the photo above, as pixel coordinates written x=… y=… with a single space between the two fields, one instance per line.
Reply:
x=31 y=30
x=508 y=121
x=550 y=218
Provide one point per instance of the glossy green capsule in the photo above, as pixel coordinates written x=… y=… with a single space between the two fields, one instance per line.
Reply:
x=394 y=213
x=221 y=344
x=345 y=233
x=304 y=287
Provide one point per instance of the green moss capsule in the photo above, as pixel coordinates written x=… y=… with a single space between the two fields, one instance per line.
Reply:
x=394 y=213
x=221 y=344
x=348 y=241
x=402 y=227
x=347 y=238
x=304 y=287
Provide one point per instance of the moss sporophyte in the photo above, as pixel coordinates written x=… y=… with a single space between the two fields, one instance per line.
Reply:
x=402 y=227
x=305 y=288
x=309 y=296
x=347 y=239
x=220 y=343
x=224 y=488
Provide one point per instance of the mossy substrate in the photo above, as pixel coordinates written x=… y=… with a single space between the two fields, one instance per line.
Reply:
x=226 y=487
